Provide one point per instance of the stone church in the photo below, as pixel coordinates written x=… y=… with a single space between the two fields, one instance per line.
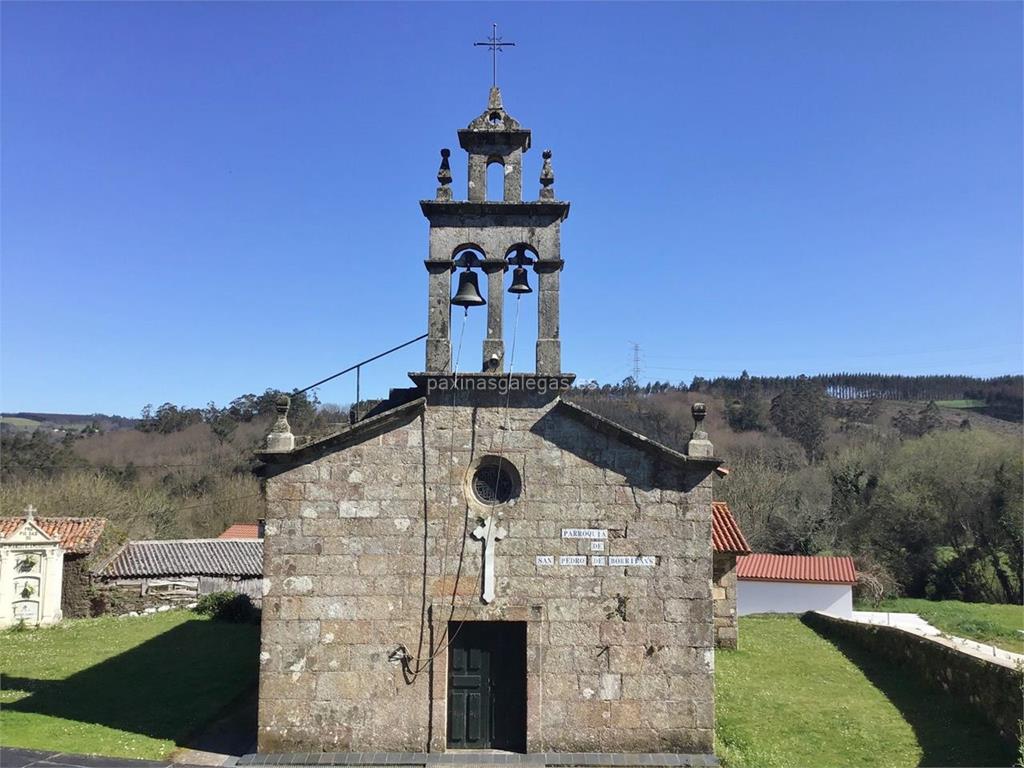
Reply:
x=478 y=563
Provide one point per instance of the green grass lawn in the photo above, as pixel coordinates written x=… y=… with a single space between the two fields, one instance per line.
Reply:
x=960 y=403
x=126 y=687
x=19 y=423
x=995 y=624
x=139 y=687
x=791 y=699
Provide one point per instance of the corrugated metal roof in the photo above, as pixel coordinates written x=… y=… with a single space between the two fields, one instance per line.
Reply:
x=242 y=531
x=725 y=532
x=77 y=535
x=798 y=568
x=187 y=557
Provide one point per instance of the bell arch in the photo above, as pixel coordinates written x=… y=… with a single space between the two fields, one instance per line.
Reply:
x=494 y=183
x=459 y=250
x=519 y=258
x=525 y=248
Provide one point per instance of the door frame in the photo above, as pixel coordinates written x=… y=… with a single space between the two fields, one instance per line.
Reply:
x=532 y=616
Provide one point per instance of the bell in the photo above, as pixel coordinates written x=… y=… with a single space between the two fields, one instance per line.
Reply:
x=520 y=282
x=468 y=294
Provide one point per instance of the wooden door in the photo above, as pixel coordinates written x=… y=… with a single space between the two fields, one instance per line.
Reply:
x=487 y=686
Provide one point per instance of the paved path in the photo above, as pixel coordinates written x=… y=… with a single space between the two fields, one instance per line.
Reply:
x=12 y=757
x=33 y=758
x=912 y=622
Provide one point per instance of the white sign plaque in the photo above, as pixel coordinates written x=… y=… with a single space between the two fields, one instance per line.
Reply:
x=597 y=559
x=545 y=560
x=27 y=611
x=572 y=560
x=646 y=560
x=584 y=533
x=597 y=546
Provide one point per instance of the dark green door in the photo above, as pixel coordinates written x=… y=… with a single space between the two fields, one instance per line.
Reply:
x=487 y=685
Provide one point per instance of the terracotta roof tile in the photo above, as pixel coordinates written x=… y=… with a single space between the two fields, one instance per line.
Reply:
x=77 y=535
x=186 y=557
x=725 y=532
x=798 y=568
x=242 y=531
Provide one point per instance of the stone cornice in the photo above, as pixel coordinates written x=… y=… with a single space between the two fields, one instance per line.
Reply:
x=549 y=210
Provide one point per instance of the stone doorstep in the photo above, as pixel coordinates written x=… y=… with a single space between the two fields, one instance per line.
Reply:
x=471 y=758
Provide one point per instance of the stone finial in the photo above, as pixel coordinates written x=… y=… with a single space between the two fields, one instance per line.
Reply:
x=494 y=98
x=699 y=444
x=30 y=513
x=547 y=178
x=699 y=411
x=281 y=437
x=444 y=176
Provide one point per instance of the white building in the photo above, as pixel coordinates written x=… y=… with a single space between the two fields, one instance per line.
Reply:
x=31 y=575
x=795 y=584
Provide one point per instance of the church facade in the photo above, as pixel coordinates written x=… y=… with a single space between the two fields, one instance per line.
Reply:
x=479 y=563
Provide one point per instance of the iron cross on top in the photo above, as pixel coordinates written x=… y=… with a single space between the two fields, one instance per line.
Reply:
x=495 y=44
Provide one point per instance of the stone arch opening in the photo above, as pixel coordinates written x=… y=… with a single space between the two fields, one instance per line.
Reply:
x=469 y=327
x=495 y=182
x=525 y=248
x=473 y=248
x=521 y=309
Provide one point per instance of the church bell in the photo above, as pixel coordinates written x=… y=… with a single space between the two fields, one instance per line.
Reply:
x=520 y=281
x=468 y=294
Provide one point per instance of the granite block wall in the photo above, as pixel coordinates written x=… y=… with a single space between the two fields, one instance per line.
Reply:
x=723 y=592
x=363 y=543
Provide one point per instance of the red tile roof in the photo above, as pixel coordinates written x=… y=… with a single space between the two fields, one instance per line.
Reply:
x=242 y=531
x=799 y=568
x=725 y=533
x=77 y=535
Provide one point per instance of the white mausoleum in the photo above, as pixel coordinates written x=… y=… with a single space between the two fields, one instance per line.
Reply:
x=31 y=575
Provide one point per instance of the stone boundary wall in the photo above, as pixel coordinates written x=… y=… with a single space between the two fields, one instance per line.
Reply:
x=991 y=687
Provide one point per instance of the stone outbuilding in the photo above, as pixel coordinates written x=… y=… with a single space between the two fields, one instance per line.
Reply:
x=43 y=577
x=168 y=571
x=729 y=544
x=479 y=563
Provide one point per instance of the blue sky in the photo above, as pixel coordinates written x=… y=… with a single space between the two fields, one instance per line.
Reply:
x=202 y=200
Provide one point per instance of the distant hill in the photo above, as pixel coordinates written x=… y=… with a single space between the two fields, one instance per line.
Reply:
x=29 y=421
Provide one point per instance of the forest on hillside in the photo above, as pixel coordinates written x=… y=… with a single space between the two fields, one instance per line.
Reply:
x=928 y=499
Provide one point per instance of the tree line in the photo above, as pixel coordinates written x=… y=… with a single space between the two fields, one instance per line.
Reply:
x=1003 y=396
x=927 y=505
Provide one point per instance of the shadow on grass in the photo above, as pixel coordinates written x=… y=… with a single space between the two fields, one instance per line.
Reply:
x=949 y=732
x=172 y=686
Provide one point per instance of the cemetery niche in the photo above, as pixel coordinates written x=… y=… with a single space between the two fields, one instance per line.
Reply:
x=31 y=575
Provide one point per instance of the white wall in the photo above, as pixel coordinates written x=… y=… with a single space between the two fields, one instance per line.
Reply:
x=793 y=597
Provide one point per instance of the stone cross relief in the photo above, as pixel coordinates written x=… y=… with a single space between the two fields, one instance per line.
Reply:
x=489 y=532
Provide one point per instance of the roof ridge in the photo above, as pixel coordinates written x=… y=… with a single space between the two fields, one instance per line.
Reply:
x=74 y=518
x=182 y=541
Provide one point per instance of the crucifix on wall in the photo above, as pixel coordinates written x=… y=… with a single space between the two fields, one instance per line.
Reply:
x=489 y=532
